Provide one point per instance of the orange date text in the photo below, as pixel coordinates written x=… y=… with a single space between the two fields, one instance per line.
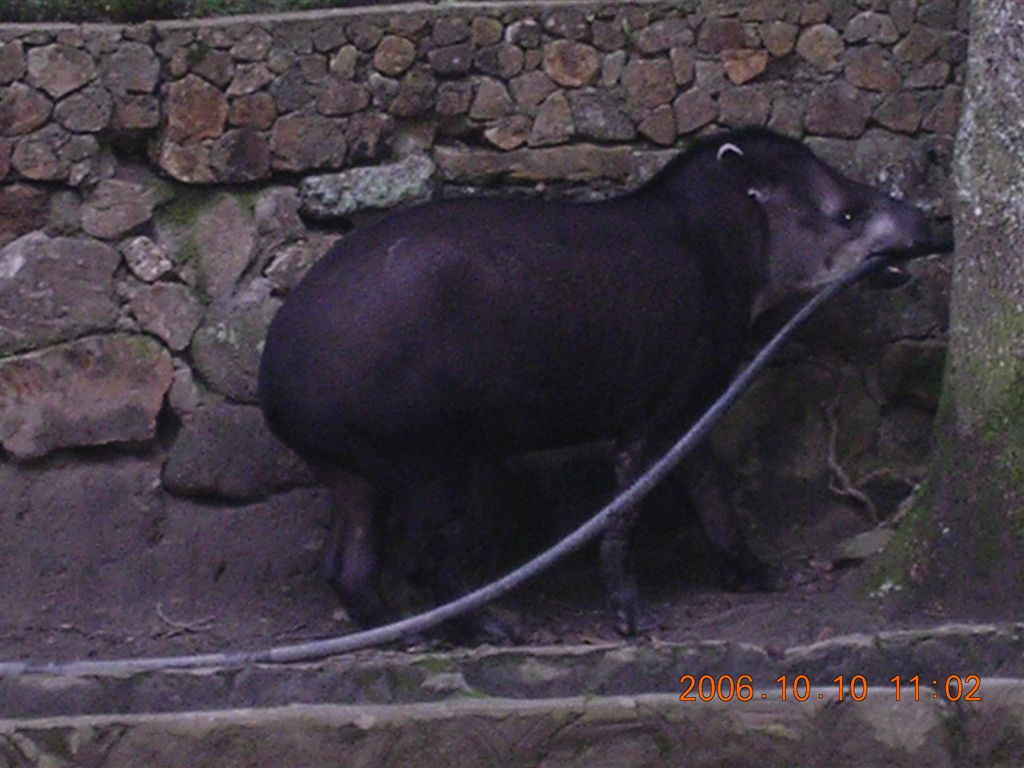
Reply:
x=844 y=688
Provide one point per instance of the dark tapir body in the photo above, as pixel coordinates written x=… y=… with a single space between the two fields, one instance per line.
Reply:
x=480 y=328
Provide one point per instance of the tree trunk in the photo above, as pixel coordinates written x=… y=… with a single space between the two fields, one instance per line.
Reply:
x=960 y=552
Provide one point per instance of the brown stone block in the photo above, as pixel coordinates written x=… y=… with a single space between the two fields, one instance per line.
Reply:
x=744 y=64
x=837 y=109
x=394 y=55
x=304 y=141
x=342 y=97
x=694 y=109
x=130 y=68
x=256 y=111
x=900 y=112
x=659 y=126
x=554 y=123
x=23 y=110
x=822 y=46
x=95 y=391
x=114 y=208
x=676 y=33
x=649 y=83
x=871 y=68
x=571 y=64
x=22 y=210
x=195 y=110
x=59 y=69
x=717 y=35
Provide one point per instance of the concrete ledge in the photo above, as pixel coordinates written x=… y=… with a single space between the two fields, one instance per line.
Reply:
x=397 y=678
x=608 y=705
x=653 y=729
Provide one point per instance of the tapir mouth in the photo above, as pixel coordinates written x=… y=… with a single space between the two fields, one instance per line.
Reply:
x=888 y=277
x=939 y=239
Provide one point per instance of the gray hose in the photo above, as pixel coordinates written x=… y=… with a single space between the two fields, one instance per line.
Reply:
x=319 y=649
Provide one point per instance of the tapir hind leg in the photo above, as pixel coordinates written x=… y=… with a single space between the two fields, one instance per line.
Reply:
x=350 y=556
x=631 y=616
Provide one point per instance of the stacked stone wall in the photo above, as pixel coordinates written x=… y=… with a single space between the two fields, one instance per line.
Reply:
x=162 y=186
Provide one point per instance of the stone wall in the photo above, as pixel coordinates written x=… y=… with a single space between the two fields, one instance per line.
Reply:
x=164 y=185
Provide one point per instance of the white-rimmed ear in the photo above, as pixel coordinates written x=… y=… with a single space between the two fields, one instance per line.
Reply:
x=726 y=149
x=758 y=194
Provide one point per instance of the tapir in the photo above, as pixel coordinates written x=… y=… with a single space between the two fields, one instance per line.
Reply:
x=473 y=329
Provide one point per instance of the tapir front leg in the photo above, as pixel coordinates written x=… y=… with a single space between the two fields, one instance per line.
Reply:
x=705 y=486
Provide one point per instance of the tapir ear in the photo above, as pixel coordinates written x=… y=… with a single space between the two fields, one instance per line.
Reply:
x=732 y=155
x=728 y=148
x=758 y=193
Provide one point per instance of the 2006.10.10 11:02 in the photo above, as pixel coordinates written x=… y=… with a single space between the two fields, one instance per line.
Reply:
x=854 y=688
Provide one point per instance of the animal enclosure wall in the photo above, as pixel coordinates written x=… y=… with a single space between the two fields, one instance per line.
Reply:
x=162 y=186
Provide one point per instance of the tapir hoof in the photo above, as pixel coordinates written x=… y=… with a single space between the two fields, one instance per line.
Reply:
x=751 y=574
x=364 y=607
x=481 y=627
x=632 y=616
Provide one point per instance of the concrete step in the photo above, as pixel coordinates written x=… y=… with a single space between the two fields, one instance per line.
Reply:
x=615 y=705
x=651 y=729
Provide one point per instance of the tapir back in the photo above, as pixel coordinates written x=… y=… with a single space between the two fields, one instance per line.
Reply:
x=488 y=326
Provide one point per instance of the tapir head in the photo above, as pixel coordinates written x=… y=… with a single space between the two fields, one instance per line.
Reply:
x=819 y=222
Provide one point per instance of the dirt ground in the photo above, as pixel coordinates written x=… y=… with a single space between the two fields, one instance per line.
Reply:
x=565 y=606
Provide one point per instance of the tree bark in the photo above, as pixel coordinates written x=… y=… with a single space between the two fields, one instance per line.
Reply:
x=960 y=552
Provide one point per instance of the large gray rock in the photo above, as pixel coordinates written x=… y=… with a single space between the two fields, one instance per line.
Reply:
x=227 y=451
x=598 y=116
x=170 y=311
x=822 y=46
x=23 y=109
x=195 y=110
x=87 y=111
x=226 y=349
x=94 y=391
x=553 y=124
x=12 y=61
x=115 y=208
x=60 y=69
x=53 y=289
x=382 y=186
x=303 y=141
x=571 y=64
x=225 y=241
x=291 y=262
x=131 y=68
x=837 y=109
x=146 y=259
x=54 y=154
x=22 y=210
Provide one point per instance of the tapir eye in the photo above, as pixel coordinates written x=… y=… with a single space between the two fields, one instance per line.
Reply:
x=848 y=216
